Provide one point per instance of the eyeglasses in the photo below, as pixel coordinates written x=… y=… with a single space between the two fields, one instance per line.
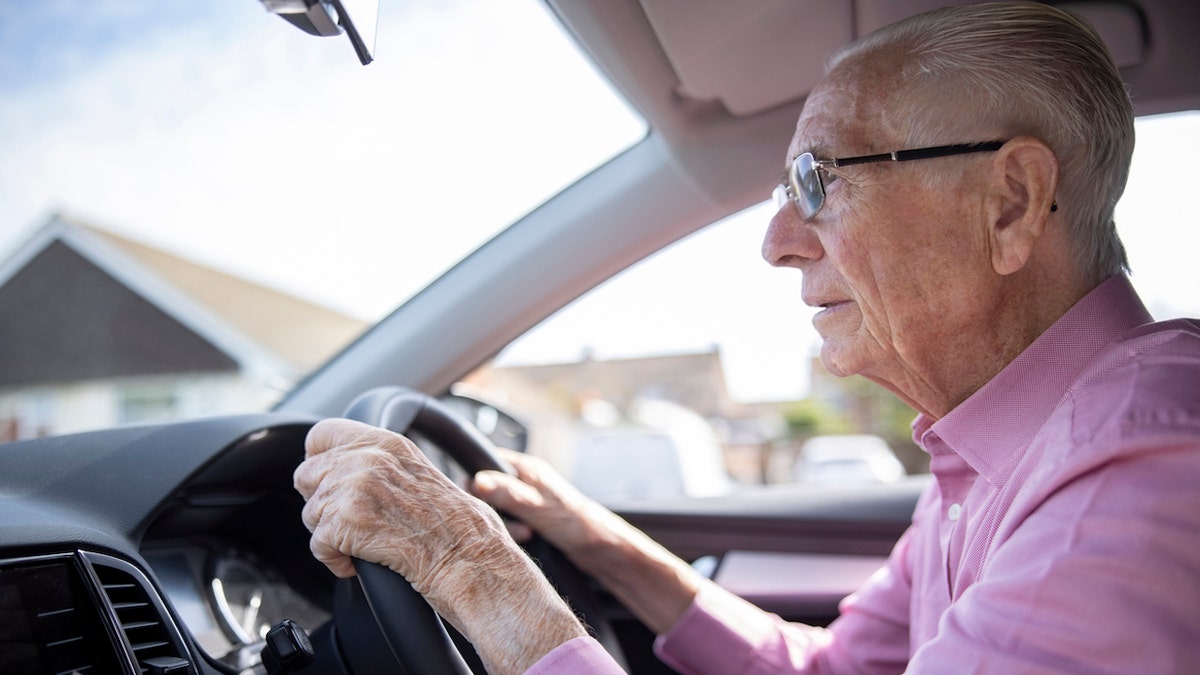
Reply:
x=806 y=189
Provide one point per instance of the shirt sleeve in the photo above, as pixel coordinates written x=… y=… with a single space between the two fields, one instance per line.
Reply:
x=580 y=656
x=722 y=634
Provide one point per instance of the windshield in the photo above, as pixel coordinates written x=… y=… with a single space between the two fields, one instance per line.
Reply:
x=259 y=187
x=233 y=201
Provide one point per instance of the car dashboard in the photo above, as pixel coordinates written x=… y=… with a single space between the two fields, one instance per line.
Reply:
x=155 y=549
x=172 y=548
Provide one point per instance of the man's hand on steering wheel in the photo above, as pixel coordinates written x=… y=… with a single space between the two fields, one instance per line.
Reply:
x=540 y=499
x=372 y=494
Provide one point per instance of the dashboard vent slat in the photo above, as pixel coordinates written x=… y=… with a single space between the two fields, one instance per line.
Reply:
x=142 y=620
x=50 y=620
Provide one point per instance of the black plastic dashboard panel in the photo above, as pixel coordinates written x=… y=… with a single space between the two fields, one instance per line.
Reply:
x=76 y=511
x=85 y=612
x=50 y=620
x=105 y=488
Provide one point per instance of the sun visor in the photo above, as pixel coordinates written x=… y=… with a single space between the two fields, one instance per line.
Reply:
x=746 y=54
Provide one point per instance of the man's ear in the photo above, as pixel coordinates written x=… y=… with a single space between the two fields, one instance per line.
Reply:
x=1023 y=181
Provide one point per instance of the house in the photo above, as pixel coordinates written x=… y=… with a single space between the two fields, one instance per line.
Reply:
x=97 y=330
x=595 y=405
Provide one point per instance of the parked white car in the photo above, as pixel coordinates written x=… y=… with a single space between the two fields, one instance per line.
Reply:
x=847 y=459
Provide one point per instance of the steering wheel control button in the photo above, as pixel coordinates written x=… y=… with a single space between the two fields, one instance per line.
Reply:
x=287 y=648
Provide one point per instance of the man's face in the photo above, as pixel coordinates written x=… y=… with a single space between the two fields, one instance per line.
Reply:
x=899 y=269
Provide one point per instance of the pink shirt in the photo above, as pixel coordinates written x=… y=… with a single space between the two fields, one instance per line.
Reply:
x=1061 y=532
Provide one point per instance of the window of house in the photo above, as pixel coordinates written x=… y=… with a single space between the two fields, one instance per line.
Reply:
x=147 y=402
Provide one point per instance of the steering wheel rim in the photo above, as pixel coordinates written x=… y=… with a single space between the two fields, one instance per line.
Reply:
x=417 y=637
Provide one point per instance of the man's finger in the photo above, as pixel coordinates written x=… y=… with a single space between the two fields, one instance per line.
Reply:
x=510 y=496
x=506 y=492
x=329 y=434
x=520 y=532
x=308 y=476
x=529 y=468
x=338 y=562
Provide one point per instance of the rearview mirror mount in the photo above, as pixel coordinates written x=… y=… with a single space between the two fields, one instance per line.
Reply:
x=356 y=18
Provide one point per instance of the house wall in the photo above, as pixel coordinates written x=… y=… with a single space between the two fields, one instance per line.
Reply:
x=84 y=406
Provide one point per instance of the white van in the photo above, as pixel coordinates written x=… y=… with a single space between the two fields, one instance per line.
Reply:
x=847 y=459
x=666 y=451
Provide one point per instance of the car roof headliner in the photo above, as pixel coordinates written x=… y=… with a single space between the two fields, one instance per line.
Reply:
x=700 y=70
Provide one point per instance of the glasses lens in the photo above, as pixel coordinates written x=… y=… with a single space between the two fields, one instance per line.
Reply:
x=806 y=185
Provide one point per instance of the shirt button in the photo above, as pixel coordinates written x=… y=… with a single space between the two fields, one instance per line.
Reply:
x=954 y=512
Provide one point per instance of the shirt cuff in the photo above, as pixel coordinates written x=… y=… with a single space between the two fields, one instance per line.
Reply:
x=581 y=655
x=718 y=633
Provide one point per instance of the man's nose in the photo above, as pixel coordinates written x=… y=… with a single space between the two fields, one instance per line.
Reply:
x=790 y=241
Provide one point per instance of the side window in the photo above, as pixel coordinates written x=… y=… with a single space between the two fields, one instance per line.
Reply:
x=671 y=380
x=694 y=372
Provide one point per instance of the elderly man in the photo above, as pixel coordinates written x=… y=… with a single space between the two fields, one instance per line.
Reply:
x=948 y=196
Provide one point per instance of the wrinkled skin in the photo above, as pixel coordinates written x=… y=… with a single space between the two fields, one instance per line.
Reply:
x=649 y=580
x=541 y=500
x=372 y=494
x=925 y=286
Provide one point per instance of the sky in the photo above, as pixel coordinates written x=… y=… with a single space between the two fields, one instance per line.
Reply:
x=221 y=133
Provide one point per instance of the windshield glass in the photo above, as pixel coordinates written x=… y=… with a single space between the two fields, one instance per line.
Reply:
x=252 y=195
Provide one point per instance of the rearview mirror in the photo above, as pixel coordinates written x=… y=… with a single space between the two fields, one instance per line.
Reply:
x=504 y=430
x=357 y=18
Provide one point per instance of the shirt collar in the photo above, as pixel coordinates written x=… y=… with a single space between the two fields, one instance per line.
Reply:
x=991 y=428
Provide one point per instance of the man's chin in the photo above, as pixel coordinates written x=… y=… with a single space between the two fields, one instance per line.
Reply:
x=838 y=359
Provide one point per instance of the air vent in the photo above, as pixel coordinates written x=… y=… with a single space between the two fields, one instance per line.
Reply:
x=141 y=617
x=48 y=620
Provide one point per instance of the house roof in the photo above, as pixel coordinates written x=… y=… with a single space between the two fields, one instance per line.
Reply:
x=129 y=301
x=695 y=380
x=303 y=333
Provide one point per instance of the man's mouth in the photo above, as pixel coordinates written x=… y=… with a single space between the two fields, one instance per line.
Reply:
x=827 y=304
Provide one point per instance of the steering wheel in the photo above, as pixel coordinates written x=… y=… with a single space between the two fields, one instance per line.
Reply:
x=418 y=638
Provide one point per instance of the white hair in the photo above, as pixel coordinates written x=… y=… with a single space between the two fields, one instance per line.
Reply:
x=1020 y=69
